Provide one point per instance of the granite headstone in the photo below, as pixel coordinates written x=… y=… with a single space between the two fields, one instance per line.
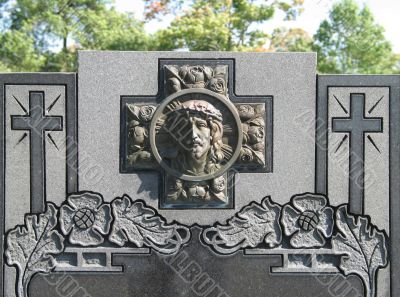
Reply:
x=199 y=174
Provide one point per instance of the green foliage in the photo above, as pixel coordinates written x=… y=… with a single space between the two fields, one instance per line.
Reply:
x=200 y=30
x=397 y=67
x=64 y=60
x=111 y=30
x=350 y=41
x=290 y=40
x=223 y=25
x=18 y=53
x=45 y=34
x=4 y=68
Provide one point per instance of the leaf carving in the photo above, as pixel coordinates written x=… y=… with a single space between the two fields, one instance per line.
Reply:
x=254 y=224
x=135 y=222
x=133 y=111
x=30 y=248
x=364 y=247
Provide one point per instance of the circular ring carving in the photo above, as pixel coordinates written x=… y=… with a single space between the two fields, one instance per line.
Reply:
x=196 y=134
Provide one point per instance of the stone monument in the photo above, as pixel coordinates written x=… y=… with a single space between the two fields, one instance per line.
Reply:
x=208 y=174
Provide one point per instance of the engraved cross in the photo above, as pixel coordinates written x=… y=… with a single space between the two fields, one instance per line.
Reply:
x=37 y=122
x=357 y=125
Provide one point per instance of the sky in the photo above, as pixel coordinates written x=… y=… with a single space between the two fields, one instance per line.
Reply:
x=386 y=13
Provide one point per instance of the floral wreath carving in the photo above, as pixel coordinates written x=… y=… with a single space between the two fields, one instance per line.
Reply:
x=307 y=222
x=85 y=220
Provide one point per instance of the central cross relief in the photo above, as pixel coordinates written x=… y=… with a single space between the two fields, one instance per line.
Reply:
x=196 y=134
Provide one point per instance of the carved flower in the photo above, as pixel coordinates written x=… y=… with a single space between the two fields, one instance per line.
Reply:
x=195 y=76
x=146 y=112
x=246 y=112
x=309 y=221
x=174 y=85
x=246 y=155
x=255 y=134
x=217 y=84
x=178 y=184
x=85 y=218
x=133 y=123
x=139 y=156
x=138 y=135
x=218 y=184
x=195 y=191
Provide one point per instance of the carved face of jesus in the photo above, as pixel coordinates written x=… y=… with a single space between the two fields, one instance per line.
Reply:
x=198 y=140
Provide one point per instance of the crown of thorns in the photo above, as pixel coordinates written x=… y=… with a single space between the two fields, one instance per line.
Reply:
x=199 y=106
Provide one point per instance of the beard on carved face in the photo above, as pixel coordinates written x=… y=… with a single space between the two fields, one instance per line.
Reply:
x=198 y=148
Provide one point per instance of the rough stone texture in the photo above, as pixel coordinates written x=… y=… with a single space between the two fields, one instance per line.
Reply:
x=105 y=76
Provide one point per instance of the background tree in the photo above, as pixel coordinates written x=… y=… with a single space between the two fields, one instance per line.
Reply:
x=290 y=40
x=44 y=34
x=224 y=25
x=18 y=53
x=350 y=41
x=397 y=67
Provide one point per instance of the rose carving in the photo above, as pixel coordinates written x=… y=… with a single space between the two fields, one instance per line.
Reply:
x=137 y=134
x=255 y=134
x=197 y=76
x=246 y=112
x=217 y=85
x=246 y=155
x=253 y=126
x=138 y=153
x=146 y=112
x=85 y=219
x=309 y=221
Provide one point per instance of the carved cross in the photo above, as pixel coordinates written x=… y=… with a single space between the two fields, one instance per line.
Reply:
x=197 y=133
x=37 y=123
x=357 y=125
